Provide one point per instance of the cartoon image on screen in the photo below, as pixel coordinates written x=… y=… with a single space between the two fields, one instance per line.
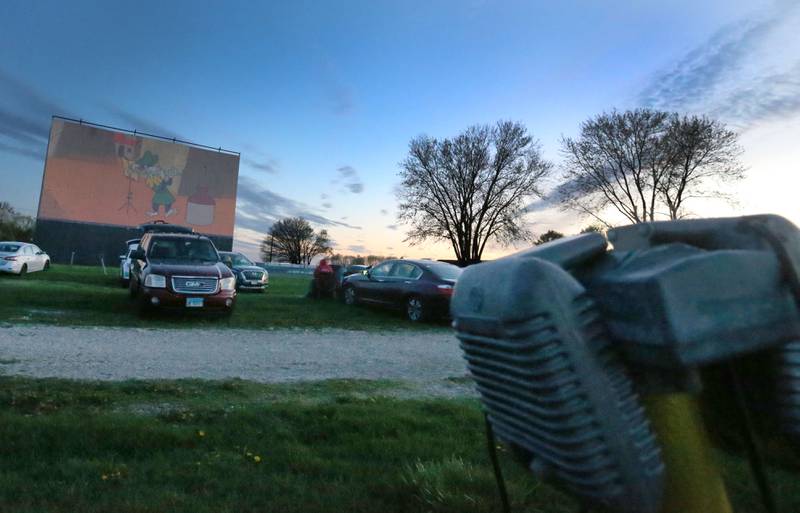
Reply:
x=104 y=176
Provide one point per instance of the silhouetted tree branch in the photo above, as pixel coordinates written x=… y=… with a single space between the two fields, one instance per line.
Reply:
x=704 y=153
x=293 y=239
x=471 y=189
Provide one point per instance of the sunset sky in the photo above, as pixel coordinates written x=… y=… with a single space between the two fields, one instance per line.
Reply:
x=322 y=98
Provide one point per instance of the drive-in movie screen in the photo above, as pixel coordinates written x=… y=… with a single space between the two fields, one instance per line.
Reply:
x=102 y=176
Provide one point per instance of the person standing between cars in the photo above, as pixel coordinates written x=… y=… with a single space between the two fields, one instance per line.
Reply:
x=323 y=282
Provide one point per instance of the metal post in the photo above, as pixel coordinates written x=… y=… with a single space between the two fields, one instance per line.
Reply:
x=693 y=480
x=491 y=443
x=71 y=258
x=103 y=263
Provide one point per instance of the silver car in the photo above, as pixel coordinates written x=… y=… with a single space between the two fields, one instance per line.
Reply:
x=22 y=258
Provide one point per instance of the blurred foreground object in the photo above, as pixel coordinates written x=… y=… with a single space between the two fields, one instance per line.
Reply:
x=587 y=358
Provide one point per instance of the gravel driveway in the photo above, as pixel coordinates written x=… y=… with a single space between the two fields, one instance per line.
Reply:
x=425 y=358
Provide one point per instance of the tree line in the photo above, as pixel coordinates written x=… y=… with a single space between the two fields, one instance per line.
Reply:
x=477 y=187
x=643 y=164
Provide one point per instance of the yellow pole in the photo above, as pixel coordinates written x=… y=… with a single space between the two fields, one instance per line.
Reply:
x=693 y=481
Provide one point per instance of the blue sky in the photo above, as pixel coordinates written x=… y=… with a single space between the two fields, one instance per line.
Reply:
x=322 y=98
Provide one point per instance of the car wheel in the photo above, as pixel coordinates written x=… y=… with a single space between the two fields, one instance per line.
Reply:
x=23 y=270
x=350 y=296
x=47 y=265
x=415 y=309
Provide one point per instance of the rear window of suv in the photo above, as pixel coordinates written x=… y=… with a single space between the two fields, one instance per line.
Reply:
x=182 y=249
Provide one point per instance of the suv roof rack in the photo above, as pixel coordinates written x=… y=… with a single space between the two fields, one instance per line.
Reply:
x=164 y=227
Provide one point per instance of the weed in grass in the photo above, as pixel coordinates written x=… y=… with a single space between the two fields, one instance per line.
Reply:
x=460 y=380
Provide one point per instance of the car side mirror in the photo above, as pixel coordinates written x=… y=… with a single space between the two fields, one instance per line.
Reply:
x=137 y=254
x=40 y=252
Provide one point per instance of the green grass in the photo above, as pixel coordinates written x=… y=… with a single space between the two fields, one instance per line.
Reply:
x=331 y=446
x=191 y=446
x=84 y=296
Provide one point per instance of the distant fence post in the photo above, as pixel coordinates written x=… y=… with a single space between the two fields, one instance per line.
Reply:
x=103 y=263
x=71 y=258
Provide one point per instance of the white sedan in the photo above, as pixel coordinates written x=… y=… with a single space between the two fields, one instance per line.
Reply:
x=125 y=262
x=22 y=258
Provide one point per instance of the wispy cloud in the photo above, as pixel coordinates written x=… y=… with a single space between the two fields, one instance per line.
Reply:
x=28 y=99
x=140 y=123
x=349 y=179
x=747 y=72
x=25 y=152
x=357 y=248
x=268 y=165
x=25 y=117
x=257 y=208
x=260 y=160
x=22 y=129
x=391 y=227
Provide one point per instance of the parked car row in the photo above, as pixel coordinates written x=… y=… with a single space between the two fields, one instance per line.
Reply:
x=22 y=258
x=170 y=267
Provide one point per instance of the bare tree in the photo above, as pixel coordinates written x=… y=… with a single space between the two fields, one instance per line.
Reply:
x=619 y=160
x=549 y=235
x=293 y=239
x=704 y=153
x=320 y=244
x=471 y=189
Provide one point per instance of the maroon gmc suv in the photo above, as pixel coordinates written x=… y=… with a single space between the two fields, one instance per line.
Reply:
x=181 y=271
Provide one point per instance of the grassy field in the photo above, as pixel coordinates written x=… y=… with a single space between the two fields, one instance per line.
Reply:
x=77 y=295
x=233 y=446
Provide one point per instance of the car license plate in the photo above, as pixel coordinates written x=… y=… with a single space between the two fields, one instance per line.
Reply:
x=194 y=302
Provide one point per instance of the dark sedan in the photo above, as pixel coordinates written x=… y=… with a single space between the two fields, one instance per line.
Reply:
x=421 y=288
